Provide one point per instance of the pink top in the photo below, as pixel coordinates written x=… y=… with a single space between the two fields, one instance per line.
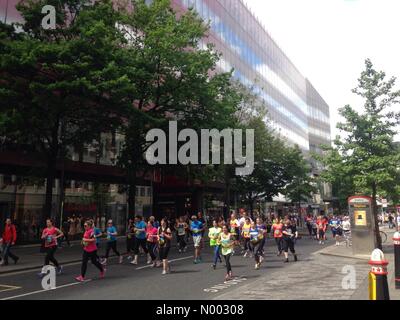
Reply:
x=50 y=235
x=151 y=233
x=89 y=246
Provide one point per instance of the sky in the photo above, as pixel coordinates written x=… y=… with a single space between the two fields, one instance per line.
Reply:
x=329 y=40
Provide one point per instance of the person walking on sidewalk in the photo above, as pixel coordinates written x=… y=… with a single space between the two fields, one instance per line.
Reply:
x=213 y=234
x=140 y=239
x=112 y=233
x=289 y=232
x=196 y=227
x=50 y=236
x=8 y=240
x=89 y=252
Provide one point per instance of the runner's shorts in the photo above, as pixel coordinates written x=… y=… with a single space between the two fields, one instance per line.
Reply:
x=197 y=241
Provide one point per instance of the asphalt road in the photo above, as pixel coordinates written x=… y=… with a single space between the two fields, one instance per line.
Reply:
x=142 y=282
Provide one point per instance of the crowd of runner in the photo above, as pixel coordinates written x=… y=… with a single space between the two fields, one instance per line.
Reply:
x=238 y=235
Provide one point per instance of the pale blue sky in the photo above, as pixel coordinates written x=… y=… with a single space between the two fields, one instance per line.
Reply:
x=328 y=41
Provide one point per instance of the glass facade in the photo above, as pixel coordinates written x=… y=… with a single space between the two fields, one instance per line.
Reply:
x=295 y=108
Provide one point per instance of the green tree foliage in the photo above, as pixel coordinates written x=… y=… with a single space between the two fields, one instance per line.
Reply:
x=366 y=152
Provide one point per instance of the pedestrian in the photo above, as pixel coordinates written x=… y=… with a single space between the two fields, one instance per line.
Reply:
x=89 y=252
x=8 y=240
x=196 y=227
x=289 y=232
x=181 y=227
x=112 y=233
x=213 y=234
x=140 y=239
x=277 y=234
x=227 y=242
x=152 y=240
x=164 y=242
x=50 y=236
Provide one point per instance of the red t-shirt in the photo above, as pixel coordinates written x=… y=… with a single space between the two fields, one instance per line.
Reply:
x=152 y=234
x=50 y=235
x=277 y=228
x=89 y=246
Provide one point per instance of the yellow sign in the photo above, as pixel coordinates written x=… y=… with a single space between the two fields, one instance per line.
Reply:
x=360 y=218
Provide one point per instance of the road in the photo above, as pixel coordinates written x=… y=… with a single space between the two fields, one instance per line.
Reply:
x=187 y=280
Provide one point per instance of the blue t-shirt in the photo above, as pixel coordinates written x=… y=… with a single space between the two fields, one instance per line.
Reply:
x=97 y=232
x=140 y=234
x=195 y=226
x=110 y=230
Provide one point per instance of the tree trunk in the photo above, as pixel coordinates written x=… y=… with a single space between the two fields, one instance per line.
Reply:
x=132 y=194
x=251 y=207
x=378 y=238
x=51 y=174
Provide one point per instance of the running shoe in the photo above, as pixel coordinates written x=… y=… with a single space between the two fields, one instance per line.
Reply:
x=295 y=257
x=214 y=266
x=80 y=279
x=154 y=265
x=134 y=262
x=286 y=261
x=60 y=270
x=261 y=259
x=257 y=266
x=164 y=272
x=245 y=255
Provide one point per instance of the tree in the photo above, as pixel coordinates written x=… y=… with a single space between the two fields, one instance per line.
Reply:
x=173 y=80
x=61 y=87
x=366 y=152
x=302 y=185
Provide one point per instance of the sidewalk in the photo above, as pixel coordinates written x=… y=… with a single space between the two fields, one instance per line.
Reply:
x=346 y=252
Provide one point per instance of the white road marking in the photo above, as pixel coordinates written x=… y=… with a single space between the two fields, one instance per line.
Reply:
x=225 y=285
x=40 y=291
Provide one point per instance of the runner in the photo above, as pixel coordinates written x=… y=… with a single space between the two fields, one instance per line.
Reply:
x=227 y=243
x=321 y=225
x=213 y=234
x=289 y=232
x=264 y=230
x=335 y=223
x=246 y=237
x=152 y=239
x=256 y=239
x=234 y=229
x=89 y=252
x=181 y=227
x=50 y=235
x=140 y=239
x=196 y=227
x=130 y=238
x=164 y=242
x=111 y=232
x=277 y=232
x=309 y=224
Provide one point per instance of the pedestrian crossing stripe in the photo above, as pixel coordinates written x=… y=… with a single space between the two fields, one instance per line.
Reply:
x=4 y=288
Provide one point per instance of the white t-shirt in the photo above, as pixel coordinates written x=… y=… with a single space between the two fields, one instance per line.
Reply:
x=346 y=225
x=398 y=219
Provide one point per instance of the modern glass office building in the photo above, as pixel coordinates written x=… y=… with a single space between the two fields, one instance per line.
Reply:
x=295 y=108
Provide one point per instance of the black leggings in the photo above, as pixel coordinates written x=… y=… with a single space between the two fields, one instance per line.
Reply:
x=152 y=248
x=93 y=258
x=111 y=245
x=247 y=245
x=288 y=243
x=182 y=242
x=140 y=243
x=257 y=249
x=163 y=251
x=278 y=242
x=310 y=229
x=228 y=263
x=50 y=251
x=130 y=244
